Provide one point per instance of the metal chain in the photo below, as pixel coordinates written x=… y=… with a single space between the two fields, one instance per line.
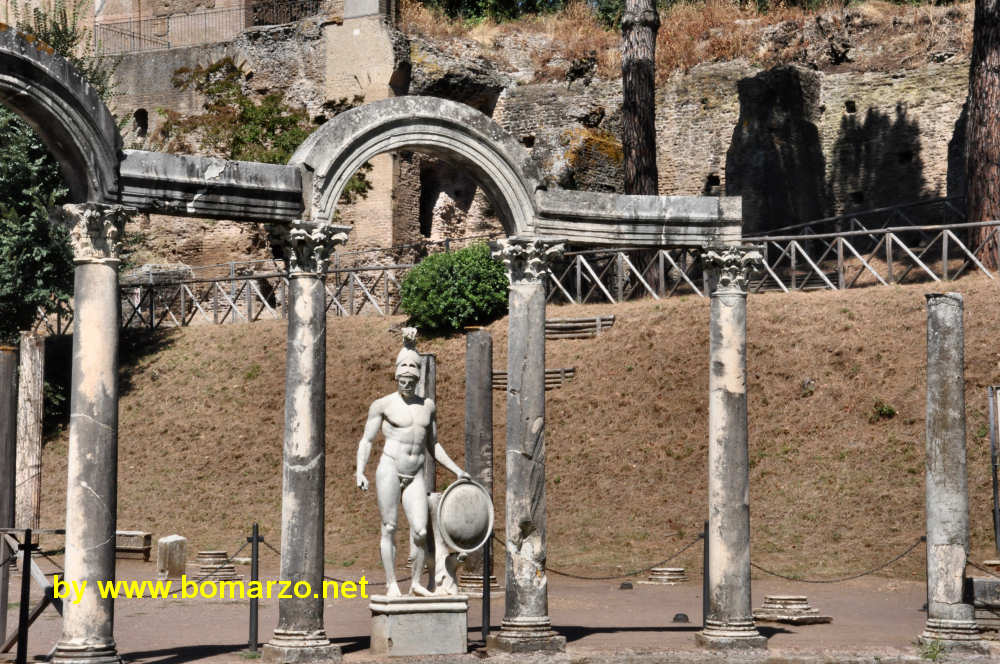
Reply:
x=632 y=573
x=910 y=548
x=982 y=569
x=228 y=561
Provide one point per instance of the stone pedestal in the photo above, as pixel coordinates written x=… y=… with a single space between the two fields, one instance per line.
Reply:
x=790 y=610
x=526 y=626
x=950 y=620
x=171 y=557
x=666 y=576
x=305 y=247
x=216 y=566
x=472 y=584
x=729 y=621
x=419 y=625
x=92 y=465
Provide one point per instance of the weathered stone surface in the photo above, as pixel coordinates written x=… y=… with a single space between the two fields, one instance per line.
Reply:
x=211 y=187
x=67 y=113
x=419 y=625
x=729 y=622
x=789 y=609
x=171 y=557
x=526 y=625
x=950 y=620
x=478 y=429
x=92 y=474
x=666 y=576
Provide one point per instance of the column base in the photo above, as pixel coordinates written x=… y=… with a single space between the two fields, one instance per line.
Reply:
x=525 y=635
x=68 y=653
x=293 y=647
x=953 y=635
x=734 y=635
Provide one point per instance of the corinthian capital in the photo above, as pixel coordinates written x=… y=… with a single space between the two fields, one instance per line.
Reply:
x=527 y=259
x=733 y=266
x=95 y=230
x=305 y=246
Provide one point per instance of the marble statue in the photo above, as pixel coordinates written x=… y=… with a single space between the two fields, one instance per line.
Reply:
x=409 y=425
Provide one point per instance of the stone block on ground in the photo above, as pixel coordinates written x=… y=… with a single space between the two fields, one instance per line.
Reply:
x=171 y=557
x=412 y=625
x=789 y=609
x=133 y=544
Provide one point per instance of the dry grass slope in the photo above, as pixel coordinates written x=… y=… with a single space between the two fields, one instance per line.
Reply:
x=831 y=492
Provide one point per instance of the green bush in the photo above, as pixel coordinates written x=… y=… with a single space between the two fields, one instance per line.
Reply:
x=446 y=292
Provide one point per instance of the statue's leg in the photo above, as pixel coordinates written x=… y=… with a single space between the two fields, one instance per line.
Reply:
x=415 y=507
x=387 y=490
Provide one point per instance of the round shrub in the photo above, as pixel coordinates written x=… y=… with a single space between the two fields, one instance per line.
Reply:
x=446 y=292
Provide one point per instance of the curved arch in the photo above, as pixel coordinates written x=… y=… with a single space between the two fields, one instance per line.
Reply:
x=68 y=114
x=439 y=127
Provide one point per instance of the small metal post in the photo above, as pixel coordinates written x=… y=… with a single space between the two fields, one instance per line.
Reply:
x=888 y=256
x=232 y=290
x=215 y=302
x=183 y=307
x=152 y=308
x=704 y=577
x=620 y=276
x=792 y=262
x=487 y=569
x=22 y=616
x=993 y=465
x=840 y=263
x=944 y=255
x=254 y=540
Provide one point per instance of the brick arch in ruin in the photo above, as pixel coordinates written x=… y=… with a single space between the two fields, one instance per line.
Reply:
x=449 y=130
x=65 y=111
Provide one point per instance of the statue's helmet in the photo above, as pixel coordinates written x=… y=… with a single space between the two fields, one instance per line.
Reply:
x=408 y=363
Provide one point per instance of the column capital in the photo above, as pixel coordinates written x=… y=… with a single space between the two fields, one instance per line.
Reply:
x=305 y=246
x=734 y=266
x=95 y=230
x=527 y=259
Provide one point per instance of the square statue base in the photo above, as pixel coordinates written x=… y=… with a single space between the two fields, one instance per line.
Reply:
x=411 y=625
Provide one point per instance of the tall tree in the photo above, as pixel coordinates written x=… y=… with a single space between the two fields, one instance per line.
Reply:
x=982 y=131
x=640 y=22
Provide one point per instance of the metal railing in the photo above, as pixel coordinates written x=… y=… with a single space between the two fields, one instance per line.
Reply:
x=204 y=27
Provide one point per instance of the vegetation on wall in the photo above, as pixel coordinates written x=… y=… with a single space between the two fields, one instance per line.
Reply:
x=448 y=291
x=36 y=268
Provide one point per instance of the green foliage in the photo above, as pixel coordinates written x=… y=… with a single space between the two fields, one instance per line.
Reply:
x=449 y=291
x=497 y=10
x=881 y=411
x=35 y=259
x=233 y=125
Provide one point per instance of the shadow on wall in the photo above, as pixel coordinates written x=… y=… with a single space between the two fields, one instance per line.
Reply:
x=775 y=161
x=957 y=155
x=876 y=161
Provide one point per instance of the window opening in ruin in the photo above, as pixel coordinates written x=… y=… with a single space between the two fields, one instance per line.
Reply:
x=857 y=197
x=712 y=185
x=141 y=117
x=850 y=106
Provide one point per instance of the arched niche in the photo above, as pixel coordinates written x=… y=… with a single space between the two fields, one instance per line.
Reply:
x=444 y=129
x=65 y=111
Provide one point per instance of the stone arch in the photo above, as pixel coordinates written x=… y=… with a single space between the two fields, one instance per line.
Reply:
x=445 y=129
x=68 y=114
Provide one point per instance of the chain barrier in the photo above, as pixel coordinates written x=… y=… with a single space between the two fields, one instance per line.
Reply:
x=330 y=578
x=910 y=548
x=229 y=561
x=982 y=569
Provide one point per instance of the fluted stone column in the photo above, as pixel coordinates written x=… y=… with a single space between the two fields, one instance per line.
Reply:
x=92 y=467
x=729 y=623
x=526 y=625
x=478 y=430
x=949 y=620
x=300 y=636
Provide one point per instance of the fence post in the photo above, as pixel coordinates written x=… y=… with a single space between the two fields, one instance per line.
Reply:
x=254 y=540
x=944 y=255
x=215 y=302
x=385 y=289
x=152 y=308
x=579 y=281
x=232 y=291
x=661 y=287
x=22 y=618
x=840 y=263
x=620 y=276
x=248 y=289
x=350 y=304
x=183 y=307
x=791 y=262
x=888 y=256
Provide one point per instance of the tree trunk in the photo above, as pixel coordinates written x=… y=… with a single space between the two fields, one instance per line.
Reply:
x=640 y=23
x=30 y=395
x=983 y=132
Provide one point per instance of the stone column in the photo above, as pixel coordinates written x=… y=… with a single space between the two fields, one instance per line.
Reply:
x=92 y=466
x=300 y=636
x=526 y=625
x=478 y=428
x=950 y=621
x=729 y=622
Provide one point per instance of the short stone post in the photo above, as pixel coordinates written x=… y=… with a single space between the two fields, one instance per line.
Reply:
x=526 y=625
x=92 y=466
x=300 y=636
x=478 y=431
x=950 y=621
x=171 y=557
x=729 y=623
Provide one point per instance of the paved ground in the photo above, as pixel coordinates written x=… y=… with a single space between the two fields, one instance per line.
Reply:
x=876 y=617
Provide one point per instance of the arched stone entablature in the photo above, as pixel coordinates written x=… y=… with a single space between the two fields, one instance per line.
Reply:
x=66 y=111
x=445 y=129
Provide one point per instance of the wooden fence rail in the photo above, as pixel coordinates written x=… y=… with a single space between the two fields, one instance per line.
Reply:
x=854 y=258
